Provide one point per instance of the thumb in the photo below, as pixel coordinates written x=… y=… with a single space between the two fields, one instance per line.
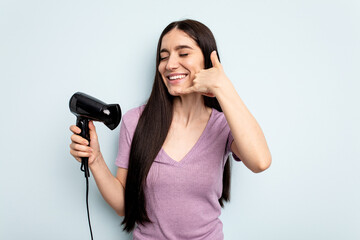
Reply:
x=93 y=135
x=215 y=60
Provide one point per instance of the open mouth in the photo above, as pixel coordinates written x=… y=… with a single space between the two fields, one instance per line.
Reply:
x=175 y=77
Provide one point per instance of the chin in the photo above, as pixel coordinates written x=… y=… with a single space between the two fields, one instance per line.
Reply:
x=172 y=93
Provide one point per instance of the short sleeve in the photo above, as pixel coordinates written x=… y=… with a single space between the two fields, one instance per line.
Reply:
x=127 y=130
x=228 y=146
x=122 y=159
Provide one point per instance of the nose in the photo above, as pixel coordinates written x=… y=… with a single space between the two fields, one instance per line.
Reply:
x=172 y=63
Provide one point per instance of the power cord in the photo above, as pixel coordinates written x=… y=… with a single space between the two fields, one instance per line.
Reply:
x=85 y=168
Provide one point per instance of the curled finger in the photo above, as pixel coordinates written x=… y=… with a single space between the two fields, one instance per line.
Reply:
x=78 y=139
x=79 y=154
x=79 y=147
x=75 y=129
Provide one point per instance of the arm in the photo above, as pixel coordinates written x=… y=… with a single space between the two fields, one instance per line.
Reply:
x=111 y=188
x=249 y=141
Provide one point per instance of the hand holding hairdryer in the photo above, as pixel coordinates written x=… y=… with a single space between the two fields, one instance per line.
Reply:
x=81 y=147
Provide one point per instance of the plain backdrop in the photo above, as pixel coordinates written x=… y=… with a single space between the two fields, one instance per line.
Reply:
x=295 y=64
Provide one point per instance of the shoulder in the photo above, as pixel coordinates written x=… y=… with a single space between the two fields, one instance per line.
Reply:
x=131 y=117
x=134 y=113
x=219 y=121
x=218 y=116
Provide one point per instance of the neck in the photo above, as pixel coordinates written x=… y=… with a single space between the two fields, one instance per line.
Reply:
x=189 y=108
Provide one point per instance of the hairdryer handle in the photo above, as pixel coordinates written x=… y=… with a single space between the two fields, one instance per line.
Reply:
x=83 y=124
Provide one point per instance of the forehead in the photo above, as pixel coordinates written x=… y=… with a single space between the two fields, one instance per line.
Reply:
x=176 y=38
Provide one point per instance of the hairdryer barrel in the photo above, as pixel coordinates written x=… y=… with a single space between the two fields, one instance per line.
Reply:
x=85 y=106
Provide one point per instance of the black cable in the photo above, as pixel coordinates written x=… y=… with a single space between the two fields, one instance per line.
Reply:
x=87 y=205
x=85 y=168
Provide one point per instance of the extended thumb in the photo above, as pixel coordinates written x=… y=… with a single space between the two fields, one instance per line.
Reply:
x=214 y=59
x=92 y=130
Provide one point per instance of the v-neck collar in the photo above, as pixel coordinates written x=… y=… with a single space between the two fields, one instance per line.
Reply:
x=164 y=156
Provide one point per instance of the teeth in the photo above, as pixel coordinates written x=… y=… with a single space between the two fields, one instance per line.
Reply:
x=176 y=77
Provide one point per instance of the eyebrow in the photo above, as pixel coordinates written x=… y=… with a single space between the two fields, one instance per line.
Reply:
x=177 y=48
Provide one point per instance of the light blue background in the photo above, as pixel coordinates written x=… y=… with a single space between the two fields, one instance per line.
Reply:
x=295 y=64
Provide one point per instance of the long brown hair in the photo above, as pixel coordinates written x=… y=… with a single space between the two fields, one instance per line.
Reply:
x=154 y=124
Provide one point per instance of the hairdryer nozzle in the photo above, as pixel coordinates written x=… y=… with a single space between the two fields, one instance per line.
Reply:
x=114 y=113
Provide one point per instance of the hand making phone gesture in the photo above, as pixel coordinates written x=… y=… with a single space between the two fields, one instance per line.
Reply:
x=208 y=81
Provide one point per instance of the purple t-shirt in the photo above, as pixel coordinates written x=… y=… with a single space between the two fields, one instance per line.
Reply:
x=182 y=197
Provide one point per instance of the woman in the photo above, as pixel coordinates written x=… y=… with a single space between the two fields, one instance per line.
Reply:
x=173 y=166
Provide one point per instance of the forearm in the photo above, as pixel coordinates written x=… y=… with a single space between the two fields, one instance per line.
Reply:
x=250 y=142
x=109 y=186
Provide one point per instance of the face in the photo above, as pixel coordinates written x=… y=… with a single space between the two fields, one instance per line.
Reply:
x=180 y=59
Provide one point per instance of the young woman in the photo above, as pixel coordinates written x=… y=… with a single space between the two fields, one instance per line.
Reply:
x=173 y=160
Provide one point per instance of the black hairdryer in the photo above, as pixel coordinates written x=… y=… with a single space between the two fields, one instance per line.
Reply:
x=88 y=108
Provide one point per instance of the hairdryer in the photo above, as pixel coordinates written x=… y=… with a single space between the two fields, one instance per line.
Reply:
x=88 y=108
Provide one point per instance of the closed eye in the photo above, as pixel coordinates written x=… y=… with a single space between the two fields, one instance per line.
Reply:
x=184 y=55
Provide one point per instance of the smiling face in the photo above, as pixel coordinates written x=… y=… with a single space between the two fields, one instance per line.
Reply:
x=180 y=59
